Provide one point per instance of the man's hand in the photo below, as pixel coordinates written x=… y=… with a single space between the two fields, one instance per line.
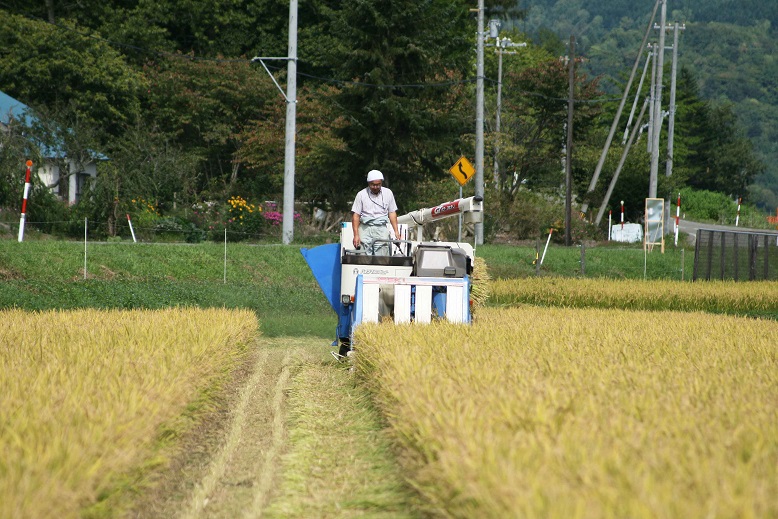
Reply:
x=355 y=228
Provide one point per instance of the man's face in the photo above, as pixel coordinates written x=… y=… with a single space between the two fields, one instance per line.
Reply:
x=375 y=186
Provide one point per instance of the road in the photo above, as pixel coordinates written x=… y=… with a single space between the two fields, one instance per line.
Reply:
x=690 y=227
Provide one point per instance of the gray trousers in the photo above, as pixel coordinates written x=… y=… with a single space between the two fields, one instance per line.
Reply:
x=369 y=234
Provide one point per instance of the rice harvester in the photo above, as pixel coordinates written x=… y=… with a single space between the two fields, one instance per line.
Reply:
x=418 y=282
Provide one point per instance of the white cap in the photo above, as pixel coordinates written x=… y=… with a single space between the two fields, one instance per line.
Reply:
x=374 y=175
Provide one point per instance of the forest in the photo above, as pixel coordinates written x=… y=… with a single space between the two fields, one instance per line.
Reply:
x=167 y=95
x=729 y=46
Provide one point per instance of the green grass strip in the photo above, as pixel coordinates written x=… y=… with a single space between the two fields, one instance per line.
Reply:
x=339 y=462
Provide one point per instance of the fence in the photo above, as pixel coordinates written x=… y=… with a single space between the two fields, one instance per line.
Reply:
x=735 y=255
x=162 y=230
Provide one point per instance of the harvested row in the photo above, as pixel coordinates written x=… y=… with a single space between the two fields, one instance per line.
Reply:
x=753 y=298
x=88 y=396
x=552 y=412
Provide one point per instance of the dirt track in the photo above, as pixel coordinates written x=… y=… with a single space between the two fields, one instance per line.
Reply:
x=231 y=468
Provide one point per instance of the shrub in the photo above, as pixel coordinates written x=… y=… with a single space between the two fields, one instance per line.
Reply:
x=707 y=205
x=245 y=220
x=531 y=214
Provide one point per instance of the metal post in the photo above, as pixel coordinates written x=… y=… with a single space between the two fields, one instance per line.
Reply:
x=501 y=45
x=291 y=115
x=695 y=265
x=459 y=232
x=479 y=120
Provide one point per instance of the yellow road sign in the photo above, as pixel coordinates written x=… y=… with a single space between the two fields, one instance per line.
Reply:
x=462 y=171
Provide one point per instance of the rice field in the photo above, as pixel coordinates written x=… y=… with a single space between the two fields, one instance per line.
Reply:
x=87 y=397
x=752 y=298
x=582 y=413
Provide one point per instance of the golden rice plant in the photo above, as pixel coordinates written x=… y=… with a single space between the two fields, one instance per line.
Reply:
x=760 y=297
x=85 y=396
x=582 y=413
x=480 y=279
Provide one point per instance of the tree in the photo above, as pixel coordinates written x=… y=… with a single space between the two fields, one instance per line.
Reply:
x=262 y=147
x=204 y=105
x=712 y=152
x=536 y=114
x=59 y=66
x=394 y=117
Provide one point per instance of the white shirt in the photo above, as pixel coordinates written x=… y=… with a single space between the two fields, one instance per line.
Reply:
x=367 y=204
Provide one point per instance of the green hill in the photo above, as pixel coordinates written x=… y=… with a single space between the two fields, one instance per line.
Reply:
x=730 y=47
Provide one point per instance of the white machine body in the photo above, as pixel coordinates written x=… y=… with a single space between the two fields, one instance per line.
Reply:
x=419 y=278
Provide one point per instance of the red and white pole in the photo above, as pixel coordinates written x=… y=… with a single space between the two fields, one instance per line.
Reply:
x=737 y=218
x=131 y=229
x=24 y=200
x=677 y=217
x=622 y=216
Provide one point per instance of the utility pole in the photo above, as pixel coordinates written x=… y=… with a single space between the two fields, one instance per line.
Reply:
x=657 y=117
x=673 y=83
x=651 y=100
x=497 y=118
x=287 y=223
x=569 y=156
x=671 y=112
x=502 y=44
x=637 y=97
x=624 y=154
x=291 y=116
x=479 y=119
x=615 y=123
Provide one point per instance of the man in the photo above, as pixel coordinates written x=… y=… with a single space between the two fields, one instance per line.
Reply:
x=373 y=208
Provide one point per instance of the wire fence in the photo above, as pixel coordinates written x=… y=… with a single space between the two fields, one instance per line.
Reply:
x=613 y=262
x=166 y=230
x=735 y=255
x=578 y=261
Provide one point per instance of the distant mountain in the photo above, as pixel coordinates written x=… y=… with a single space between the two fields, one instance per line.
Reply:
x=730 y=46
x=739 y=12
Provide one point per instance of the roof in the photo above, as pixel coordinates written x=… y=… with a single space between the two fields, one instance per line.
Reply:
x=10 y=107
x=13 y=108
